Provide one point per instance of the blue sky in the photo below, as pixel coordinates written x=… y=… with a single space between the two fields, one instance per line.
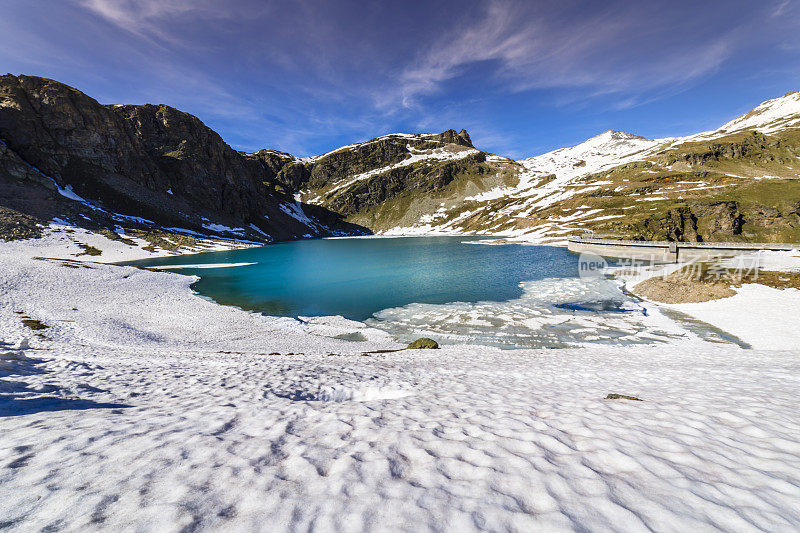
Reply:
x=523 y=77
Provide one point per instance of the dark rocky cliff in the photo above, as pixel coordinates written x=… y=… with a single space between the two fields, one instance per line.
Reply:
x=148 y=161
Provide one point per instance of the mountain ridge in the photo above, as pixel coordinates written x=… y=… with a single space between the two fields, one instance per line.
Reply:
x=153 y=167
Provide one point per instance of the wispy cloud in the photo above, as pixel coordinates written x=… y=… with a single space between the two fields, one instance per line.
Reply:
x=157 y=19
x=612 y=50
x=781 y=8
x=142 y=17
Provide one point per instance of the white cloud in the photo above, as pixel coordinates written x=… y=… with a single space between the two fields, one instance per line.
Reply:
x=137 y=15
x=782 y=7
x=608 y=51
x=153 y=19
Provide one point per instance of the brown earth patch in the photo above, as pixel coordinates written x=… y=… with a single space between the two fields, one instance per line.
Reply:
x=674 y=289
x=703 y=282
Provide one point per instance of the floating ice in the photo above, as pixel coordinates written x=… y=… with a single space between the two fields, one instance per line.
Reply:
x=202 y=265
x=552 y=313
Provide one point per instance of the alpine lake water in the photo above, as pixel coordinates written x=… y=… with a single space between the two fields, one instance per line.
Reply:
x=454 y=289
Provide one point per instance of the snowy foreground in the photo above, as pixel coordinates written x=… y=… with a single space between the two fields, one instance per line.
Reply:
x=149 y=408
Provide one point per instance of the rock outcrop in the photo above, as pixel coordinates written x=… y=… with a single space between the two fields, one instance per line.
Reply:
x=679 y=224
x=719 y=220
x=318 y=172
x=423 y=343
x=421 y=179
x=698 y=222
x=751 y=146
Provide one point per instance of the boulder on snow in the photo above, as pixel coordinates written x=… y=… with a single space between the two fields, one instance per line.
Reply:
x=424 y=344
x=614 y=396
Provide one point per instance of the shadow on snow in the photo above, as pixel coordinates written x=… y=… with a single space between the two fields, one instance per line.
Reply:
x=19 y=398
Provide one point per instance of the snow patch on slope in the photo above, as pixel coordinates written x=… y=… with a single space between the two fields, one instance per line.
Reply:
x=365 y=143
x=295 y=210
x=417 y=156
x=770 y=116
x=606 y=150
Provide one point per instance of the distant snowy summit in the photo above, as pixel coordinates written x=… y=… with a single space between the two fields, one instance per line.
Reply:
x=613 y=136
x=770 y=116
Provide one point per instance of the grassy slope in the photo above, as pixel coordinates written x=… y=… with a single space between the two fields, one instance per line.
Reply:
x=708 y=184
x=740 y=187
x=446 y=204
x=399 y=196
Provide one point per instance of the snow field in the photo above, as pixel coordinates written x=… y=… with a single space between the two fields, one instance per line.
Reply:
x=149 y=408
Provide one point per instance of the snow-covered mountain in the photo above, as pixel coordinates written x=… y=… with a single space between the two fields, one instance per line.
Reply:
x=557 y=193
x=770 y=116
x=613 y=148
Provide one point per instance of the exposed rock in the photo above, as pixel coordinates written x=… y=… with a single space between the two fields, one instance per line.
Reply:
x=794 y=209
x=272 y=161
x=614 y=396
x=420 y=179
x=718 y=220
x=357 y=159
x=293 y=175
x=15 y=225
x=679 y=224
x=698 y=222
x=451 y=137
x=34 y=324
x=750 y=147
x=355 y=180
x=89 y=250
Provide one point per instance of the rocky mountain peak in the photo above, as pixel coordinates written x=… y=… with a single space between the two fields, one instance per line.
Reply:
x=451 y=137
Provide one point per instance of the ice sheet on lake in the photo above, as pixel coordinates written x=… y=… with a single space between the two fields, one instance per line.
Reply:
x=551 y=313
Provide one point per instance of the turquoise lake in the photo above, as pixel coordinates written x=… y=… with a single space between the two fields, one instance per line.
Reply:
x=454 y=289
x=356 y=278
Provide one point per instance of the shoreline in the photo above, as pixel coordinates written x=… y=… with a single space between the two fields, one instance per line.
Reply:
x=716 y=313
x=66 y=241
x=757 y=314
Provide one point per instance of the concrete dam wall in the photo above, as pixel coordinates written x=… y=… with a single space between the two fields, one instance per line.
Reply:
x=669 y=251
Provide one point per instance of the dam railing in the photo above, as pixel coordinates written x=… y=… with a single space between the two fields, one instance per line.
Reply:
x=668 y=251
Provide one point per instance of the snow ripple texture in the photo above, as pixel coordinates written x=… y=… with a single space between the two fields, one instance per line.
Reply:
x=488 y=440
x=146 y=408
